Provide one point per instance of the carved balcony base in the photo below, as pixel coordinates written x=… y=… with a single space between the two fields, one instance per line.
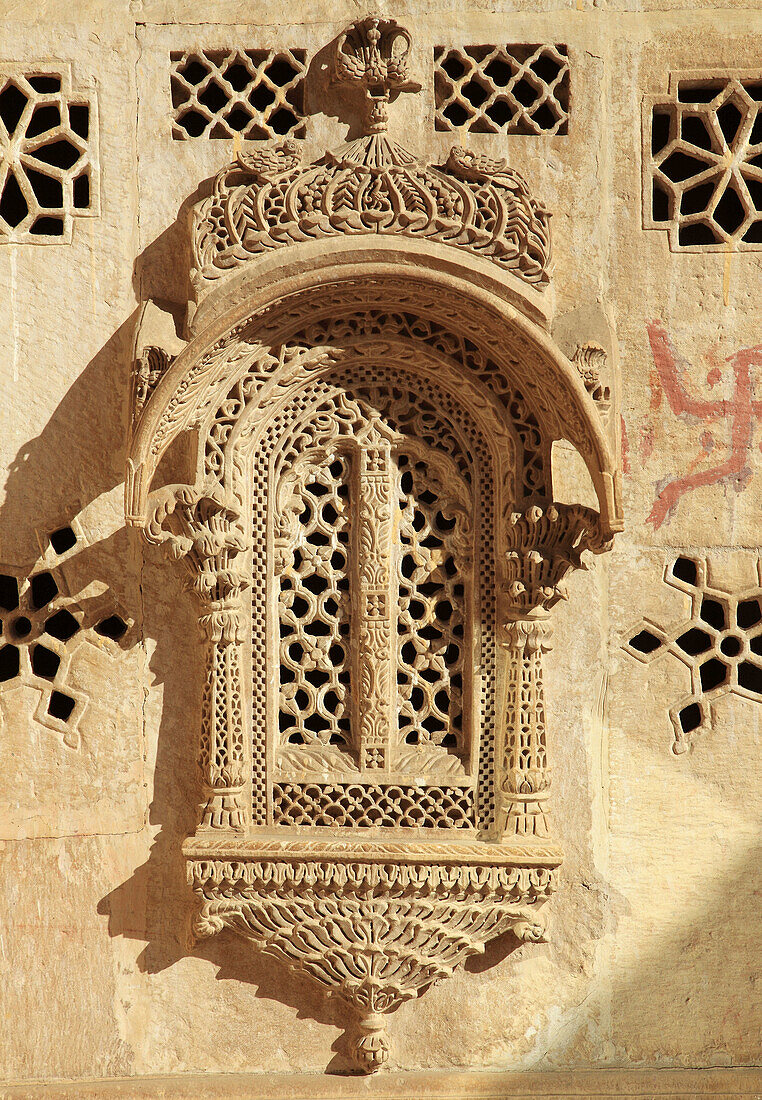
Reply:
x=374 y=922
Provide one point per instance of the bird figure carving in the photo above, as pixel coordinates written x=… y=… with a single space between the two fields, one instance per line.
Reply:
x=478 y=168
x=275 y=160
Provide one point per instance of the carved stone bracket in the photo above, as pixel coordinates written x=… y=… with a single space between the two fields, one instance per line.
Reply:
x=591 y=362
x=543 y=545
x=373 y=925
x=149 y=369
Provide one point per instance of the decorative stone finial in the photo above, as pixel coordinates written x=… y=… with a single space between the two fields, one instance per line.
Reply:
x=373 y=53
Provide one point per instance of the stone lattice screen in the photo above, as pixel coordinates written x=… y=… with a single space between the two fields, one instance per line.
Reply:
x=257 y=94
x=513 y=89
x=48 y=153
x=703 y=165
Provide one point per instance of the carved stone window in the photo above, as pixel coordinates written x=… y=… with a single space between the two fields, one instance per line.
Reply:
x=370 y=396
x=42 y=629
x=48 y=153
x=515 y=89
x=702 y=174
x=720 y=642
x=375 y=585
x=257 y=94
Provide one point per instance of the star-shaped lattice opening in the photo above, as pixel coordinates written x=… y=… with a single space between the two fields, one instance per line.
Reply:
x=40 y=628
x=46 y=155
x=704 y=168
x=721 y=644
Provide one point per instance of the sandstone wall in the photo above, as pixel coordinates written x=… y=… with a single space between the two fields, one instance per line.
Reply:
x=656 y=940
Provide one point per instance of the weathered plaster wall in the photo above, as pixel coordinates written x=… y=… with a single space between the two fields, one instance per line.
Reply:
x=654 y=958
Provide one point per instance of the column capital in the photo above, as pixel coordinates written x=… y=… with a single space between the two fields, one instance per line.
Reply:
x=531 y=635
x=202 y=526
x=544 y=544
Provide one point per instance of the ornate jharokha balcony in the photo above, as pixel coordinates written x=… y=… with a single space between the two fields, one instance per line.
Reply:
x=370 y=394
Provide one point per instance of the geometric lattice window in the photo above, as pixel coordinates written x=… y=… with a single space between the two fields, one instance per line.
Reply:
x=317 y=628
x=40 y=628
x=314 y=605
x=702 y=178
x=431 y=617
x=720 y=642
x=372 y=592
x=258 y=94
x=48 y=162
x=514 y=89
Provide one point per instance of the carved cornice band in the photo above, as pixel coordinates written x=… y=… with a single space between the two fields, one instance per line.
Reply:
x=266 y=200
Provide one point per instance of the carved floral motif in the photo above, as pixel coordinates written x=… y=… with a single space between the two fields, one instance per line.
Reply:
x=590 y=360
x=148 y=372
x=267 y=200
x=374 y=54
x=371 y=185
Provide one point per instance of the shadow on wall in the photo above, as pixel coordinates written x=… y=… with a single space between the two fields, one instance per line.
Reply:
x=60 y=470
x=696 y=998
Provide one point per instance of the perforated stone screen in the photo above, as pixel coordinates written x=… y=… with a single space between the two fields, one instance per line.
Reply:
x=514 y=89
x=221 y=93
x=48 y=153
x=703 y=162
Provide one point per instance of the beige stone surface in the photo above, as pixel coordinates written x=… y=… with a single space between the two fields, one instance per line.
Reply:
x=443 y=1085
x=652 y=963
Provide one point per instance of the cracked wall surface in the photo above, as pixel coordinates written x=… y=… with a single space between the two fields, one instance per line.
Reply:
x=653 y=958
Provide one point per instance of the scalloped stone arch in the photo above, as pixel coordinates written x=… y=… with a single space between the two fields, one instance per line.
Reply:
x=499 y=319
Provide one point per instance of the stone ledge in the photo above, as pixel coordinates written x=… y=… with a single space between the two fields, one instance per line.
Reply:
x=728 y=1084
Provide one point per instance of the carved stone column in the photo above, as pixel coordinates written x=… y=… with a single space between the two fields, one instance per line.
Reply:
x=222 y=756
x=544 y=544
x=525 y=782
x=374 y=699
x=203 y=529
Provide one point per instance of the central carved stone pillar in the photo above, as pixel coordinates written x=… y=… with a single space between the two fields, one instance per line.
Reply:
x=374 y=703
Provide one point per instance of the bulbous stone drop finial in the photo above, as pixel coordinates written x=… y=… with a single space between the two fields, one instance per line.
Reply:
x=371 y=1046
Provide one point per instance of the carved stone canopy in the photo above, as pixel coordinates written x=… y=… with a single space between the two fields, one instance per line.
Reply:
x=268 y=200
x=369 y=396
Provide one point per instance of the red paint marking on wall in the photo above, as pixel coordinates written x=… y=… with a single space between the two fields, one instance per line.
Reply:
x=656 y=391
x=647 y=440
x=625 y=447
x=740 y=411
